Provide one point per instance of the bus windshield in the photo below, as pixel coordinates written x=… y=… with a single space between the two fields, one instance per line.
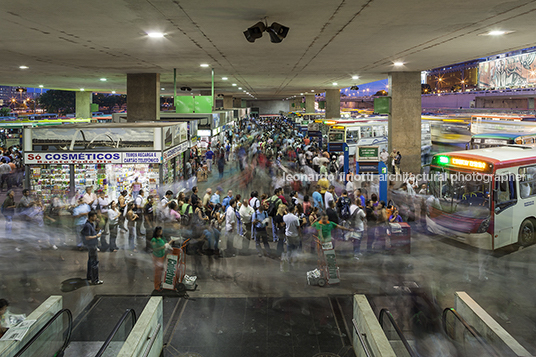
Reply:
x=464 y=197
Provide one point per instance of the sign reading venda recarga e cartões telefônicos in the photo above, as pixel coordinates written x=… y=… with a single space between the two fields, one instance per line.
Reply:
x=92 y=158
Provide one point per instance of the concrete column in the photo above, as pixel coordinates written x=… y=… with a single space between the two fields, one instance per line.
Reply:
x=405 y=118
x=333 y=103
x=227 y=102
x=237 y=103
x=530 y=104
x=83 y=105
x=310 y=103
x=143 y=97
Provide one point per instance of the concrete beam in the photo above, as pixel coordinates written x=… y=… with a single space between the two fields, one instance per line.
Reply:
x=143 y=97
x=370 y=328
x=333 y=103
x=405 y=119
x=227 y=102
x=487 y=327
x=310 y=103
x=146 y=327
x=83 y=105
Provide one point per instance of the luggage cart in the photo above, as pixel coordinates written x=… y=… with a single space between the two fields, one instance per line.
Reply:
x=327 y=271
x=175 y=267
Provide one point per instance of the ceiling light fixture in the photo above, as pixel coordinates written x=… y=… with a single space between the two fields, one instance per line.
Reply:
x=496 y=33
x=355 y=77
x=398 y=64
x=82 y=89
x=155 y=34
x=103 y=79
x=224 y=78
x=40 y=86
x=234 y=84
x=239 y=88
x=334 y=83
x=204 y=65
x=113 y=92
x=24 y=67
x=162 y=88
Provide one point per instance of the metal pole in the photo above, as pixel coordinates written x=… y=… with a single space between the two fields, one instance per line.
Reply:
x=174 y=87
x=213 y=99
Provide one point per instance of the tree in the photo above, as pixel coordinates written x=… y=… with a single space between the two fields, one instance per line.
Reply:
x=57 y=101
x=380 y=93
x=109 y=100
x=5 y=111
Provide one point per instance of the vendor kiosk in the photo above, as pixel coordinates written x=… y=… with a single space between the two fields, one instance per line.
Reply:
x=64 y=160
x=370 y=169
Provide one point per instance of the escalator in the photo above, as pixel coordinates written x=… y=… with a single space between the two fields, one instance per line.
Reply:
x=456 y=338
x=54 y=338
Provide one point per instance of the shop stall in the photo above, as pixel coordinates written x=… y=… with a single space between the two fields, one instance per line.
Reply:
x=65 y=160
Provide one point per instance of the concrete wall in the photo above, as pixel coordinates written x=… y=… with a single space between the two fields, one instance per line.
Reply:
x=487 y=327
x=368 y=325
x=448 y=101
x=42 y=315
x=143 y=96
x=508 y=103
x=269 y=106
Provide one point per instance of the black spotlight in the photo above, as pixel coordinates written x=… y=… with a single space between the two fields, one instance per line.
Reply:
x=354 y=88
x=277 y=32
x=255 y=31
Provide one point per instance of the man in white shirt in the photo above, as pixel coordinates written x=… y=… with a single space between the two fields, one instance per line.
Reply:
x=246 y=211
x=292 y=232
x=328 y=196
x=207 y=196
x=231 y=226
x=5 y=170
x=139 y=202
x=357 y=221
x=89 y=197
x=384 y=156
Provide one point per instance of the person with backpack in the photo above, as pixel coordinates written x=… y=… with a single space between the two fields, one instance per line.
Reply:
x=254 y=201
x=259 y=221
x=227 y=199
x=273 y=203
x=343 y=206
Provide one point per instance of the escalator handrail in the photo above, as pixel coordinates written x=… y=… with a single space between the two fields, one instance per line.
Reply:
x=126 y=314
x=387 y=313
x=46 y=326
x=469 y=328
x=361 y=340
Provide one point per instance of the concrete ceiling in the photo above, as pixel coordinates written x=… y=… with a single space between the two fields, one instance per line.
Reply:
x=71 y=44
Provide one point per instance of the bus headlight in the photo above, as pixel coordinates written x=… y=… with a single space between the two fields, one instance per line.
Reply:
x=484 y=226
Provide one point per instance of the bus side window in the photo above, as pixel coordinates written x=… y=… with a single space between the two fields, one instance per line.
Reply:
x=507 y=191
x=527 y=181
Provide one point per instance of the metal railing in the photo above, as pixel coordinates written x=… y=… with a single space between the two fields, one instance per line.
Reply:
x=129 y=313
x=361 y=340
x=468 y=328
x=385 y=312
x=65 y=332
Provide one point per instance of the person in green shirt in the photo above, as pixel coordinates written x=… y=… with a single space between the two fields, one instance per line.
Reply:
x=324 y=226
x=158 y=244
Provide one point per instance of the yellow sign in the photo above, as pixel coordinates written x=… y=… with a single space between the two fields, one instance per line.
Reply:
x=480 y=165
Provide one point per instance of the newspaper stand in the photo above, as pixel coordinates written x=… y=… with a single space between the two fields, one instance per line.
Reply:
x=175 y=268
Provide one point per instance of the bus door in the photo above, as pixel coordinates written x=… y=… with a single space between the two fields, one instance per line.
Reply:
x=505 y=198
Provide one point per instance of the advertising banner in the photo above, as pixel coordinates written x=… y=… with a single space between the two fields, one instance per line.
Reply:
x=45 y=158
x=171 y=153
x=141 y=158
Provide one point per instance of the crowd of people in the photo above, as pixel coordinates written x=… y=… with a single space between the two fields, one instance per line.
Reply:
x=278 y=217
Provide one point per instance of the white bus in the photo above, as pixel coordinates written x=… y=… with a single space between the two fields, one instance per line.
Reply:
x=485 y=197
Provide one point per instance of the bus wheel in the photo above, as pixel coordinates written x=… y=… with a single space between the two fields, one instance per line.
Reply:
x=527 y=233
